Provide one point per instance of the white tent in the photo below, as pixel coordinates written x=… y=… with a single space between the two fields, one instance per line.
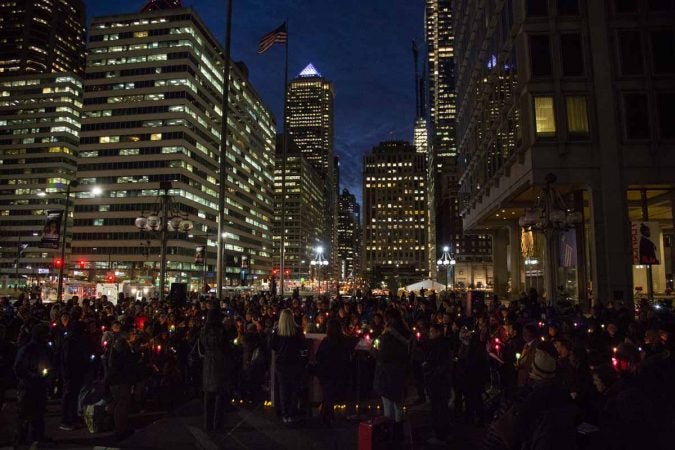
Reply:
x=429 y=285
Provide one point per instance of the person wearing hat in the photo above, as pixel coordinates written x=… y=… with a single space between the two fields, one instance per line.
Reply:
x=542 y=414
x=543 y=366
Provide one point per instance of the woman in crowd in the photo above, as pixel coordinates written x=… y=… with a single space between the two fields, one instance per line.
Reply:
x=392 y=353
x=288 y=343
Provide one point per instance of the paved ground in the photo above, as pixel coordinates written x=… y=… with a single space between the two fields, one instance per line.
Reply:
x=253 y=427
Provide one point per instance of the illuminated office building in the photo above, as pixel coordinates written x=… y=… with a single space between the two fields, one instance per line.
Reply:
x=304 y=212
x=349 y=236
x=42 y=48
x=582 y=90
x=395 y=215
x=309 y=121
x=472 y=251
x=152 y=113
x=39 y=135
x=42 y=36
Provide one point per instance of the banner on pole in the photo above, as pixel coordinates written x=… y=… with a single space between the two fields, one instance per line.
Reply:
x=51 y=232
x=644 y=241
x=199 y=255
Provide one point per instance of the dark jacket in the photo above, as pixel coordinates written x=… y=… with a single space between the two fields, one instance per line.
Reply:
x=289 y=350
x=332 y=359
x=33 y=366
x=437 y=367
x=392 y=359
x=75 y=352
x=217 y=364
x=123 y=364
x=253 y=350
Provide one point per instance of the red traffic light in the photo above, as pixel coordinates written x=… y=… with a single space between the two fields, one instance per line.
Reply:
x=275 y=272
x=82 y=263
x=287 y=272
x=58 y=263
x=110 y=278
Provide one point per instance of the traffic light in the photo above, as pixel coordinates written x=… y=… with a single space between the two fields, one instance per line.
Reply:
x=287 y=272
x=110 y=278
x=275 y=272
x=58 y=263
x=82 y=263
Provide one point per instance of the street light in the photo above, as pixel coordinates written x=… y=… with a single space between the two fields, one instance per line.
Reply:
x=204 y=256
x=71 y=184
x=447 y=261
x=165 y=218
x=319 y=261
x=550 y=216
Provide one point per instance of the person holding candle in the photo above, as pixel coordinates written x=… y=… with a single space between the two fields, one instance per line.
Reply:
x=33 y=370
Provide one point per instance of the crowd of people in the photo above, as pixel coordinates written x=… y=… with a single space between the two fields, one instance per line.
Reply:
x=533 y=376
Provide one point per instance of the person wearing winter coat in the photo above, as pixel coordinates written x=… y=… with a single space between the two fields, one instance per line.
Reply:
x=332 y=367
x=7 y=356
x=74 y=362
x=214 y=344
x=473 y=370
x=123 y=368
x=541 y=415
x=392 y=356
x=33 y=369
x=254 y=362
x=437 y=377
x=290 y=349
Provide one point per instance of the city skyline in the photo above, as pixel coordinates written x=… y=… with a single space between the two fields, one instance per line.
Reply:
x=364 y=49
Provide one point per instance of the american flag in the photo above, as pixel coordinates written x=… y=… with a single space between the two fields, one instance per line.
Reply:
x=280 y=35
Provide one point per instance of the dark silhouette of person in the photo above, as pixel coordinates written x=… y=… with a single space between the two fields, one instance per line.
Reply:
x=647 y=247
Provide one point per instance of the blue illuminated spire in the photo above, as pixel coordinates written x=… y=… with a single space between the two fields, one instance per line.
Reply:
x=309 y=71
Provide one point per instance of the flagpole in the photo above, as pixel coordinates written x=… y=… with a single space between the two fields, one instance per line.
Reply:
x=282 y=253
x=223 y=150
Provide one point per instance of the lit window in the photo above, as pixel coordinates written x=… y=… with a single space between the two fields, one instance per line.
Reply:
x=156 y=137
x=544 y=116
x=140 y=34
x=577 y=116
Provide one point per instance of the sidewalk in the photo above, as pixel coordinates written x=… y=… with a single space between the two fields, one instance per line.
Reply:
x=255 y=427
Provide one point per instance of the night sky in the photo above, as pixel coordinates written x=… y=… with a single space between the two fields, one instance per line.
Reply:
x=362 y=46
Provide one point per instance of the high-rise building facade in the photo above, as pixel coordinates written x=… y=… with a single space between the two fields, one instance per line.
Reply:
x=349 y=236
x=395 y=215
x=39 y=136
x=304 y=212
x=582 y=90
x=472 y=251
x=309 y=122
x=42 y=36
x=42 y=49
x=441 y=66
x=152 y=114
x=309 y=118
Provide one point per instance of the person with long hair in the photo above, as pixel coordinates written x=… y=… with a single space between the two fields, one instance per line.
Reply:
x=332 y=368
x=392 y=354
x=288 y=343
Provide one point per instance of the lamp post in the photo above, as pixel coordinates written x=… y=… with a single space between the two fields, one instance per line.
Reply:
x=447 y=261
x=550 y=216
x=222 y=164
x=164 y=219
x=319 y=261
x=71 y=184
x=206 y=237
